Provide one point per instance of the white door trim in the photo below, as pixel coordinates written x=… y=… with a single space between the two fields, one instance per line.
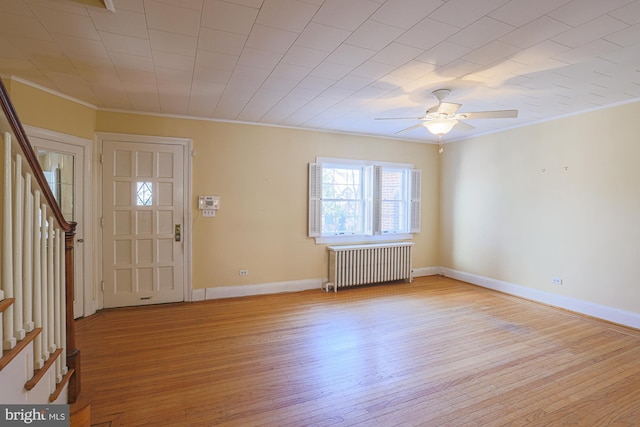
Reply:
x=186 y=232
x=89 y=302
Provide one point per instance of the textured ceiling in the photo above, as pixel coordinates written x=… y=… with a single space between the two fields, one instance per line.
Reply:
x=329 y=64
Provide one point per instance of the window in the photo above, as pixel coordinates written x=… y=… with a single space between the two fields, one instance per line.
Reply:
x=58 y=170
x=359 y=201
x=144 y=193
x=344 y=200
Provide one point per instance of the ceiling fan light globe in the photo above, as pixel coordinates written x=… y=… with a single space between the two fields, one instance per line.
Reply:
x=440 y=126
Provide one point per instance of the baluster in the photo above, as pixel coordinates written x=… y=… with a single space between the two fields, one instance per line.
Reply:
x=56 y=300
x=44 y=282
x=18 y=204
x=38 y=361
x=27 y=273
x=51 y=344
x=9 y=341
x=63 y=304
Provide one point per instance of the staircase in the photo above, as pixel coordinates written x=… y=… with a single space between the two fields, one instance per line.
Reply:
x=39 y=363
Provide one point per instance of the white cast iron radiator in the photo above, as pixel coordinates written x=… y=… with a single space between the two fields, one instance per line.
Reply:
x=351 y=265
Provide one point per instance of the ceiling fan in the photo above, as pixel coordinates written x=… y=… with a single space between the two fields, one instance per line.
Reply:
x=441 y=118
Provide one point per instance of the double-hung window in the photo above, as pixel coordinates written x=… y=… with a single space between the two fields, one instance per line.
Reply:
x=352 y=200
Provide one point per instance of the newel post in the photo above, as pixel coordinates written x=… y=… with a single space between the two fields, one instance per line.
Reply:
x=73 y=354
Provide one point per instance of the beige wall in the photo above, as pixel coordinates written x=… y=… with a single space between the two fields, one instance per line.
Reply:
x=260 y=174
x=554 y=199
x=47 y=111
x=560 y=198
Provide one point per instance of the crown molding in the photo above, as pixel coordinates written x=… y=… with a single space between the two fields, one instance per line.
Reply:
x=49 y=91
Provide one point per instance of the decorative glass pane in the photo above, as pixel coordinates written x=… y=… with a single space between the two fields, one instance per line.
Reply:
x=53 y=180
x=144 y=193
x=58 y=170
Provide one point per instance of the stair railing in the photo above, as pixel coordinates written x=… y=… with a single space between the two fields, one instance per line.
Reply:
x=36 y=283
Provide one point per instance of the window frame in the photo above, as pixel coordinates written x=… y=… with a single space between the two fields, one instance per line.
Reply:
x=361 y=200
x=372 y=201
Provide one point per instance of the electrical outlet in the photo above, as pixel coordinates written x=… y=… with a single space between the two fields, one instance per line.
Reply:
x=556 y=280
x=244 y=272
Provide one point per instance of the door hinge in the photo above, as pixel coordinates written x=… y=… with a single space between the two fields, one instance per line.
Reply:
x=101 y=158
x=101 y=221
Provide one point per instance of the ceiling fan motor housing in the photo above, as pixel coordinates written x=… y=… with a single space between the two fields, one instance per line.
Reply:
x=441 y=94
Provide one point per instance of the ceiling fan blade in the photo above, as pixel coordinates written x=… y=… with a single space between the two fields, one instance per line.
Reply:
x=498 y=114
x=464 y=126
x=399 y=118
x=409 y=128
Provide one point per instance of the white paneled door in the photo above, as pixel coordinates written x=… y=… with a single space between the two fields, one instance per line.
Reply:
x=143 y=210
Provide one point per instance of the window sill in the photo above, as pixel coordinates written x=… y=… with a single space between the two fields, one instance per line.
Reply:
x=362 y=239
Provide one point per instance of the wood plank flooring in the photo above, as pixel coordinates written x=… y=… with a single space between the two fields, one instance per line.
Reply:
x=435 y=352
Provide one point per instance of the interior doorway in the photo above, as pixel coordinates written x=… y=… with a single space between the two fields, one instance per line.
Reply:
x=66 y=163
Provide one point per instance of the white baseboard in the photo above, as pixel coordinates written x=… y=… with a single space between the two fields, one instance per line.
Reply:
x=279 y=287
x=198 y=294
x=260 y=289
x=610 y=314
x=426 y=271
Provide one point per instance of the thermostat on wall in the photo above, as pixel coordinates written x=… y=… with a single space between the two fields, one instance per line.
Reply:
x=208 y=202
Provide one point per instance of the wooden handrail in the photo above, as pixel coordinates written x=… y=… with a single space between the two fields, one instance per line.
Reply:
x=69 y=228
x=32 y=158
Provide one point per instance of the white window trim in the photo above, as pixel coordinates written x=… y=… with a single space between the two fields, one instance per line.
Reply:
x=363 y=239
x=356 y=162
x=315 y=188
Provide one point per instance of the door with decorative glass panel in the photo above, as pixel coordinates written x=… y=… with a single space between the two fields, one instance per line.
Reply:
x=143 y=211
x=63 y=164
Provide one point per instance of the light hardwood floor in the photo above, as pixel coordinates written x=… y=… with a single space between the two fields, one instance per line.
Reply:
x=435 y=352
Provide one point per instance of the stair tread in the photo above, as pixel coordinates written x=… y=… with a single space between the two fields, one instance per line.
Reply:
x=9 y=355
x=6 y=303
